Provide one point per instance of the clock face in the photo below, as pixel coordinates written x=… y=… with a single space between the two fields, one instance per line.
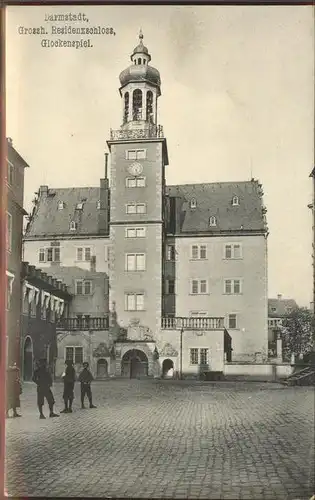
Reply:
x=135 y=168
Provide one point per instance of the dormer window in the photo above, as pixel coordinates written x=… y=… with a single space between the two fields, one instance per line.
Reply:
x=193 y=203
x=235 y=201
x=79 y=206
x=98 y=205
x=212 y=221
x=73 y=226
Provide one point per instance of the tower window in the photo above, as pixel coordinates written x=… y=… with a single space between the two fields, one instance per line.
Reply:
x=126 y=107
x=212 y=221
x=139 y=61
x=136 y=154
x=235 y=201
x=193 y=203
x=150 y=106
x=137 y=104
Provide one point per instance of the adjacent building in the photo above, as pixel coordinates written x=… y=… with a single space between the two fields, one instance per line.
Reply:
x=183 y=267
x=312 y=207
x=45 y=301
x=15 y=214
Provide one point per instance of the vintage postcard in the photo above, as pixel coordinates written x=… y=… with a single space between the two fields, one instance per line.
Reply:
x=160 y=271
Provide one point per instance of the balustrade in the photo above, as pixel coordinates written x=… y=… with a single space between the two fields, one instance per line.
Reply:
x=204 y=323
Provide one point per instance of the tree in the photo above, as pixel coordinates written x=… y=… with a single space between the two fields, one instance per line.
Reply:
x=298 y=332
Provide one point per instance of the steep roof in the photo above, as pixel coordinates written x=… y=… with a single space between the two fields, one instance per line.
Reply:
x=213 y=199
x=277 y=308
x=47 y=219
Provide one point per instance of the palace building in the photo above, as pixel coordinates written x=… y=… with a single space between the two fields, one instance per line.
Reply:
x=166 y=280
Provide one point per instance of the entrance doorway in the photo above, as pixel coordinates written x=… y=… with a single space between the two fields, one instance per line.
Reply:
x=168 y=368
x=134 y=364
x=102 y=368
x=28 y=359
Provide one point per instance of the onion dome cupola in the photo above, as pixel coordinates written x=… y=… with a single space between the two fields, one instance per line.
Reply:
x=140 y=88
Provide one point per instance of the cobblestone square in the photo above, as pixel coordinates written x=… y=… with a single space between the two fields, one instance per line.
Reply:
x=167 y=439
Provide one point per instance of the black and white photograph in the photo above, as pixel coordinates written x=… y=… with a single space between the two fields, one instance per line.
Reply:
x=160 y=251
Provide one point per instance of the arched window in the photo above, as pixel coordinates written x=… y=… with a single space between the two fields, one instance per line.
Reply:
x=137 y=104
x=212 y=221
x=193 y=203
x=139 y=61
x=235 y=200
x=150 y=106
x=126 y=107
x=73 y=226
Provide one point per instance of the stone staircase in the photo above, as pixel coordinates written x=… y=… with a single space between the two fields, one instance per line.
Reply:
x=305 y=376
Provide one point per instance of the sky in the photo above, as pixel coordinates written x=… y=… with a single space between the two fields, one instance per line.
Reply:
x=237 y=102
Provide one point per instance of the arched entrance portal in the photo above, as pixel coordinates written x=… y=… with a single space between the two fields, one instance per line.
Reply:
x=167 y=368
x=102 y=368
x=28 y=359
x=134 y=364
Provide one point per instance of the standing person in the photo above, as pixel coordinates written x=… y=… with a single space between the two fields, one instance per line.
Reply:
x=14 y=390
x=68 y=386
x=43 y=380
x=86 y=378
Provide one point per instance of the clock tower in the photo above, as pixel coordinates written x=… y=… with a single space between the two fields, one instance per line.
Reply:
x=138 y=159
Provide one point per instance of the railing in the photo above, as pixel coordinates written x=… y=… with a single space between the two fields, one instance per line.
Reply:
x=192 y=323
x=71 y=324
x=154 y=132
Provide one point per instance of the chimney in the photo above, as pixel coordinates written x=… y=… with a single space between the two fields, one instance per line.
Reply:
x=43 y=191
x=106 y=165
x=279 y=296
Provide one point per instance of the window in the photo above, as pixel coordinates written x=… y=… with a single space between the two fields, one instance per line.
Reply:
x=170 y=286
x=149 y=111
x=170 y=252
x=136 y=154
x=49 y=254
x=193 y=203
x=98 y=205
x=73 y=226
x=107 y=253
x=34 y=308
x=61 y=205
x=137 y=104
x=212 y=221
x=79 y=206
x=194 y=356
x=134 y=301
x=9 y=232
x=135 y=232
x=232 y=286
x=273 y=309
x=135 y=182
x=199 y=252
x=204 y=358
x=235 y=201
x=233 y=251
x=232 y=323
x=135 y=262
x=83 y=287
x=126 y=107
x=136 y=208
x=83 y=253
x=10 y=279
x=10 y=173
x=199 y=287
x=74 y=354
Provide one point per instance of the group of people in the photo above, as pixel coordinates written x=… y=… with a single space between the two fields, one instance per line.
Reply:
x=43 y=380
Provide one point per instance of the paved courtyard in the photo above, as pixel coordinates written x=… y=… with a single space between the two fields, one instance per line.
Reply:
x=167 y=439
